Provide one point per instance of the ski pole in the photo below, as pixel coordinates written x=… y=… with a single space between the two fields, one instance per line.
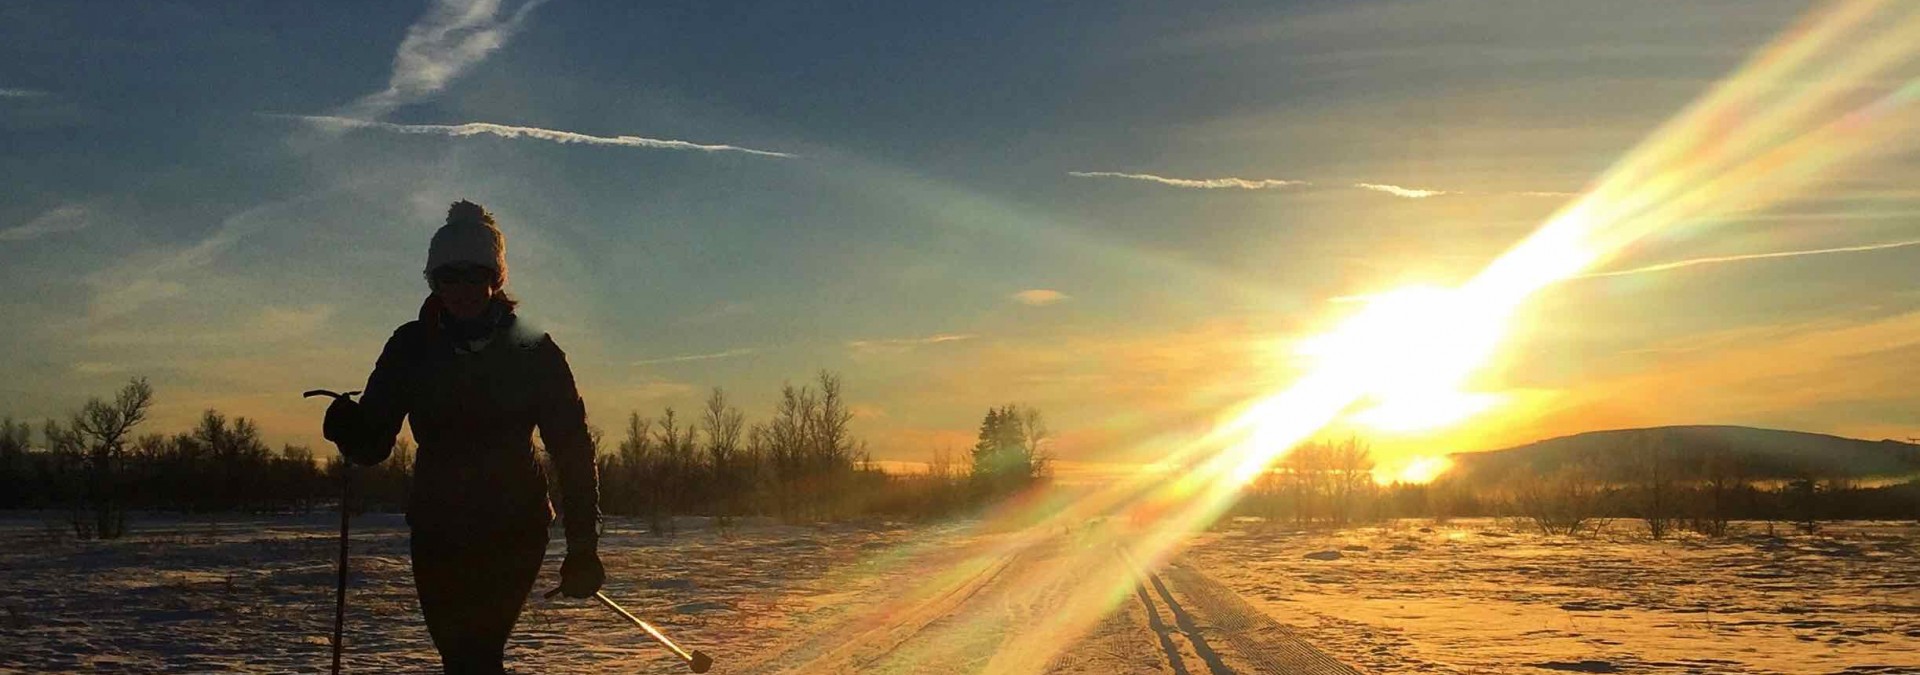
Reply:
x=695 y=660
x=340 y=584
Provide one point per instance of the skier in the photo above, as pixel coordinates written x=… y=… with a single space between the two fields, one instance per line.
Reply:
x=476 y=382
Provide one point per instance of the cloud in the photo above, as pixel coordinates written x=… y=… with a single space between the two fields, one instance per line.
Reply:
x=1397 y=191
x=692 y=357
x=1202 y=183
x=1270 y=183
x=716 y=313
x=100 y=368
x=448 y=39
x=631 y=396
x=1750 y=256
x=149 y=276
x=903 y=344
x=68 y=218
x=9 y=92
x=1040 y=297
x=504 y=131
x=270 y=324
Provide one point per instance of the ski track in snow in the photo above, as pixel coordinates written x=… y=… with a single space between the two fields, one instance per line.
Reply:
x=200 y=594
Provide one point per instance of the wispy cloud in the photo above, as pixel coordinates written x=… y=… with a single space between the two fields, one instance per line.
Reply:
x=723 y=311
x=150 y=276
x=67 y=218
x=692 y=357
x=536 y=133
x=1272 y=183
x=13 y=92
x=1040 y=297
x=267 y=325
x=448 y=39
x=100 y=368
x=902 y=344
x=1398 y=191
x=1201 y=183
x=1662 y=267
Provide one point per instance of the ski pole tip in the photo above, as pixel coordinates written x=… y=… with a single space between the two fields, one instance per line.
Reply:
x=700 y=662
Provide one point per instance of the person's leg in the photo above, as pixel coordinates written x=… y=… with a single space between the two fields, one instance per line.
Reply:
x=471 y=593
x=441 y=576
x=511 y=569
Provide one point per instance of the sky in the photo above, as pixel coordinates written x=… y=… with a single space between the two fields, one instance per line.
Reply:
x=1130 y=216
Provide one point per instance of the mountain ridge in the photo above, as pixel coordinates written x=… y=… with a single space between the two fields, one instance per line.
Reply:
x=1753 y=452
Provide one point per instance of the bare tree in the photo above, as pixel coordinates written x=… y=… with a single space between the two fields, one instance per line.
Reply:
x=1655 y=503
x=1351 y=479
x=724 y=425
x=678 y=468
x=832 y=449
x=1566 y=502
x=1034 y=434
x=103 y=428
x=639 y=471
x=14 y=440
x=789 y=435
x=1723 y=480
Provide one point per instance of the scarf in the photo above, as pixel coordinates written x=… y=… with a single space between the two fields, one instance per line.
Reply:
x=466 y=336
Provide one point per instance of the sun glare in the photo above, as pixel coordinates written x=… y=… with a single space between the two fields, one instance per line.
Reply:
x=1423 y=470
x=1409 y=412
x=1409 y=352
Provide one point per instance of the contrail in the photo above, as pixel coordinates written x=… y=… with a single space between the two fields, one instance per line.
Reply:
x=537 y=133
x=1750 y=256
x=1202 y=183
x=1398 y=191
x=692 y=357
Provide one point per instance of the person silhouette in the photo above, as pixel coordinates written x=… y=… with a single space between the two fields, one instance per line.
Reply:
x=475 y=382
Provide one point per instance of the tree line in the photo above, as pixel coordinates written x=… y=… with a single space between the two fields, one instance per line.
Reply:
x=1331 y=484
x=802 y=464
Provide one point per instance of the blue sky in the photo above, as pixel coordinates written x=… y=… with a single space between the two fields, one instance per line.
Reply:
x=954 y=206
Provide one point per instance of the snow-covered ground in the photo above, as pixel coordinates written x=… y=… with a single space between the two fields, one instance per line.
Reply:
x=1487 y=597
x=256 y=594
x=184 y=594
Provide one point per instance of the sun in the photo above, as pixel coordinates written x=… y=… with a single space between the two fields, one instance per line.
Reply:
x=1422 y=470
x=1408 y=352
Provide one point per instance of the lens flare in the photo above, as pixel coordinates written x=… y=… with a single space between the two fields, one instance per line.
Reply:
x=1839 y=83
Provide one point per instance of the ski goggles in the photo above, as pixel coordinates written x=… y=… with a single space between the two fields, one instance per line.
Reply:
x=464 y=274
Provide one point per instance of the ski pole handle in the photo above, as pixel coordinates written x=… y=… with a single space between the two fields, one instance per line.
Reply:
x=310 y=393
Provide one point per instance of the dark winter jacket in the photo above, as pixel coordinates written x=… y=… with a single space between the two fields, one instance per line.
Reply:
x=473 y=408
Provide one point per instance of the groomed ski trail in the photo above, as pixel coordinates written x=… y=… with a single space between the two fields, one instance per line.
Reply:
x=1176 y=621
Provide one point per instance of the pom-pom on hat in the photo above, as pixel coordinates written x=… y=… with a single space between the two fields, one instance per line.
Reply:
x=469 y=238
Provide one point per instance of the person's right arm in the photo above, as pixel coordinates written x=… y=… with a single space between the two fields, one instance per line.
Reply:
x=365 y=431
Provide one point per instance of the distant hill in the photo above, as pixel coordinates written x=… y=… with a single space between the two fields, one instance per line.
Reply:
x=1756 y=453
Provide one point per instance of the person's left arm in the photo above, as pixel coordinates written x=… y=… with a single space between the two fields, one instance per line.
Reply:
x=563 y=428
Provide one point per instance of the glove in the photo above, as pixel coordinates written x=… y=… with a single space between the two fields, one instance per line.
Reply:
x=345 y=426
x=581 y=574
x=342 y=425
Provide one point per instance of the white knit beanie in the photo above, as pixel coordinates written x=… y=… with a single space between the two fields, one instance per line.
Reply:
x=469 y=237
